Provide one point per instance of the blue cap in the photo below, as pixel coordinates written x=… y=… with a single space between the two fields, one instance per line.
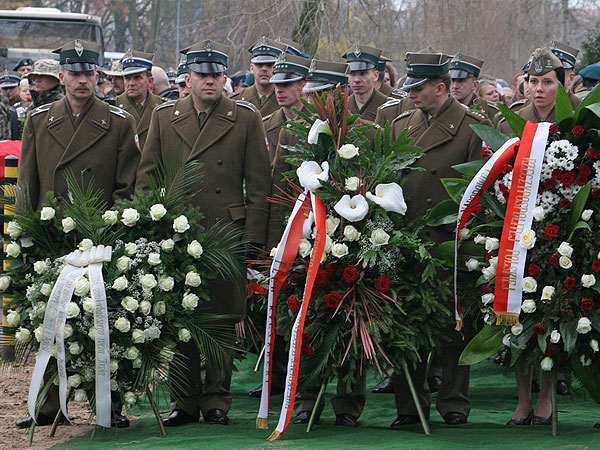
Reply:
x=9 y=80
x=136 y=62
x=591 y=72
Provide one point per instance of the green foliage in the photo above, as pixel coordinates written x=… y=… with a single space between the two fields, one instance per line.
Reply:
x=485 y=344
x=492 y=137
x=516 y=122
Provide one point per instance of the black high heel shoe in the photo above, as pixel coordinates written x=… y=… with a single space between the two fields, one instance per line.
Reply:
x=538 y=420
x=522 y=421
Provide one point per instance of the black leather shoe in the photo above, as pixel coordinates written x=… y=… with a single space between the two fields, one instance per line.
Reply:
x=345 y=420
x=455 y=418
x=405 y=419
x=385 y=386
x=216 y=416
x=303 y=417
x=119 y=421
x=435 y=383
x=257 y=391
x=562 y=387
x=178 y=417
x=42 y=421
x=537 y=420
x=522 y=421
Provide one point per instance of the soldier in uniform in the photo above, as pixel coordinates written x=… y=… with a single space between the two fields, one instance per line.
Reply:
x=162 y=86
x=115 y=75
x=9 y=96
x=262 y=93
x=171 y=76
x=44 y=83
x=365 y=99
x=383 y=87
x=82 y=134
x=227 y=137
x=180 y=81
x=440 y=125
x=9 y=86
x=23 y=66
x=590 y=76
x=137 y=99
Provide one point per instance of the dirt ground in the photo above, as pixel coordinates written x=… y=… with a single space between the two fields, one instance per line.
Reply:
x=14 y=385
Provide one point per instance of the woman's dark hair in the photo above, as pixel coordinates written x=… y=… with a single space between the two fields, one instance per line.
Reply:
x=560 y=74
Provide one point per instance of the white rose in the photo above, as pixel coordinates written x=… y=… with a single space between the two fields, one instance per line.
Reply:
x=516 y=329
x=165 y=283
x=154 y=259
x=130 y=216
x=85 y=245
x=46 y=289
x=379 y=237
x=122 y=324
x=132 y=353
x=72 y=310
x=472 y=264
x=528 y=306
x=138 y=336
x=157 y=211
x=339 y=250
x=13 y=229
x=130 y=248
x=68 y=224
x=479 y=239
x=148 y=281
x=565 y=262
x=529 y=284
x=92 y=333
x=159 y=308
x=506 y=340
x=129 y=398
x=114 y=365
x=587 y=214
x=110 y=217
x=584 y=325
x=75 y=348
x=13 y=318
x=82 y=286
x=488 y=272
x=539 y=214
x=194 y=249
x=184 y=335
x=565 y=249
x=167 y=245
x=554 y=336
x=145 y=307
x=463 y=234
x=67 y=331
x=347 y=151
x=547 y=364
x=588 y=280
x=547 y=292
x=130 y=303
x=527 y=239
x=331 y=224
x=192 y=279
x=152 y=333
x=492 y=244
x=304 y=248
x=37 y=333
x=487 y=298
x=13 y=250
x=23 y=335
x=123 y=263
x=74 y=380
x=47 y=213
x=351 y=233
x=26 y=242
x=121 y=283
x=79 y=395
x=351 y=184
x=181 y=224
x=4 y=283
x=40 y=267
x=137 y=363
x=189 y=301
x=594 y=345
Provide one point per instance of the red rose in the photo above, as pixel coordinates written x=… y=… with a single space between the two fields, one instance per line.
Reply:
x=591 y=154
x=486 y=151
x=553 y=128
x=322 y=279
x=330 y=268
x=550 y=183
x=585 y=170
x=581 y=180
x=587 y=304
x=557 y=173
x=578 y=130
x=351 y=274
x=551 y=230
x=486 y=288
x=382 y=284
x=554 y=259
x=332 y=300
x=570 y=283
x=564 y=203
x=596 y=193
x=596 y=265
x=534 y=270
x=293 y=304
x=550 y=350
x=506 y=168
x=567 y=179
x=539 y=328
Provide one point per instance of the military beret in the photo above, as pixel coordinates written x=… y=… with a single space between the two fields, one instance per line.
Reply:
x=23 y=62
x=79 y=55
x=591 y=72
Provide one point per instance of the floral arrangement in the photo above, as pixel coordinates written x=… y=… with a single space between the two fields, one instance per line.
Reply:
x=155 y=282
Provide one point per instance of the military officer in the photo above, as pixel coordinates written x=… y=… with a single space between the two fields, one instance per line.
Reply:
x=115 y=75
x=162 y=86
x=9 y=86
x=44 y=83
x=137 y=99
x=23 y=66
x=591 y=78
x=440 y=125
x=182 y=70
x=262 y=93
x=227 y=137
x=365 y=99
x=568 y=58
x=82 y=134
x=9 y=97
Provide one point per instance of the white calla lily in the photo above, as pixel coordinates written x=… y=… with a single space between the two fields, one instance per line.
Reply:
x=353 y=209
x=307 y=226
x=390 y=197
x=309 y=173
x=320 y=126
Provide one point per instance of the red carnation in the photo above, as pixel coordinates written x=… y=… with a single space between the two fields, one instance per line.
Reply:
x=587 y=304
x=596 y=265
x=551 y=230
x=567 y=179
x=550 y=183
x=581 y=180
x=557 y=173
x=539 y=328
x=553 y=128
x=382 y=284
x=585 y=170
x=596 y=193
x=570 y=283
x=486 y=288
x=322 y=279
x=351 y=274
x=293 y=304
x=332 y=300
x=578 y=130
x=330 y=268
x=506 y=168
x=554 y=259
x=564 y=203
x=591 y=154
x=534 y=270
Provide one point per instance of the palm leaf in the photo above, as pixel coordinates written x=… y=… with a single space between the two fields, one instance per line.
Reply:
x=224 y=253
x=176 y=181
x=214 y=337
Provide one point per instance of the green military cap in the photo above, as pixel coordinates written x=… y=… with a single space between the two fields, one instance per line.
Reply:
x=362 y=57
x=23 y=62
x=381 y=63
x=423 y=66
x=136 y=62
x=543 y=60
x=182 y=69
x=116 y=69
x=564 y=52
x=266 y=51
x=295 y=48
x=591 y=72
x=9 y=79
x=79 y=55
x=289 y=68
x=324 y=75
x=207 y=57
x=465 y=66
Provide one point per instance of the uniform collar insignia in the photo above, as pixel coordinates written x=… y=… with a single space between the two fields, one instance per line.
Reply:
x=176 y=112
x=78 y=47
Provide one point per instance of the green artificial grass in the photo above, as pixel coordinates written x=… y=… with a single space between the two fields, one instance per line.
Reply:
x=493 y=398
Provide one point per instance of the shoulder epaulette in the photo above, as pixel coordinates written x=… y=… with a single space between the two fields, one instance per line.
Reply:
x=518 y=103
x=405 y=114
x=391 y=102
x=246 y=104
x=399 y=93
x=40 y=109
x=118 y=111
x=475 y=113
x=267 y=117
x=492 y=105
x=166 y=104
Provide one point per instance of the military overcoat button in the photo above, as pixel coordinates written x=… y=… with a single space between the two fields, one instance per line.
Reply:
x=218 y=190
x=433 y=171
x=429 y=201
x=220 y=162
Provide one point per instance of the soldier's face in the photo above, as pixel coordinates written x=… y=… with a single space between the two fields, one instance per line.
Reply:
x=137 y=85
x=363 y=81
x=118 y=85
x=205 y=87
x=12 y=93
x=24 y=70
x=287 y=94
x=41 y=83
x=462 y=88
x=183 y=89
x=79 y=85
x=262 y=73
x=427 y=97
x=542 y=89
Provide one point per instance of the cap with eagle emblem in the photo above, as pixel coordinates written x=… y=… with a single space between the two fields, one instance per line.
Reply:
x=79 y=55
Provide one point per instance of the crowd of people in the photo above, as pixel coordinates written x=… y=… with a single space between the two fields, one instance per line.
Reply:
x=118 y=123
